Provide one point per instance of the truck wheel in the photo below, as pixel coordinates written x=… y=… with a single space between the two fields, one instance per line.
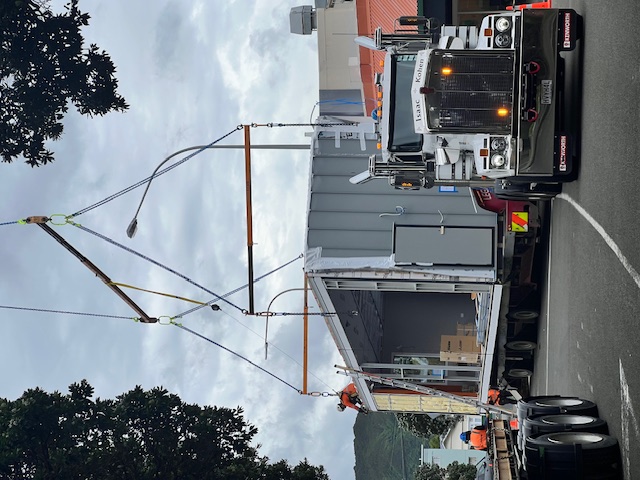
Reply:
x=564 y=455
x=541 y=195
x=524 y=315
x=521 y=346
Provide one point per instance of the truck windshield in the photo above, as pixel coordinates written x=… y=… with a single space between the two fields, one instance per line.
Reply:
x=402 y=136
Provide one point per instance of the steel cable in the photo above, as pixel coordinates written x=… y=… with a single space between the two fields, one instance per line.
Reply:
x=149 y=259
x=148 y=179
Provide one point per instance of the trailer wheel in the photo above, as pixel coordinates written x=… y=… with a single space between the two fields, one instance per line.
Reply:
x=519 y=373
x=521 y=346
x=564 y=455
x=524 y=315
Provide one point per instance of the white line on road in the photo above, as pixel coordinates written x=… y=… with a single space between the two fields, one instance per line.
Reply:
x=546 y=385
x=612 y=245
x=627 y=414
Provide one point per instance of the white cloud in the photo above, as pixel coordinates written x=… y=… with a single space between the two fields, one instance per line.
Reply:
x=191 y=71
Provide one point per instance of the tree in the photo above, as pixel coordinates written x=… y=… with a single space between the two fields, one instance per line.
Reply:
x=430 y=471
x=461 y=471
x=141 y=434
x=43 y=67
x=422 y=425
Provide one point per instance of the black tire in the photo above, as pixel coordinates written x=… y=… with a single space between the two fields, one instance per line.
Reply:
x=564 y=422
x=521 y=346
x=541 y=196
x=552 y=405
x=524 y=315
x=580 y=27
x=555 y=405
x=568 y=455
x=519 y=373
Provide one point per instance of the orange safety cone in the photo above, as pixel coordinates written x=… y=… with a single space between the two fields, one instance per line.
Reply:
x=531 y=5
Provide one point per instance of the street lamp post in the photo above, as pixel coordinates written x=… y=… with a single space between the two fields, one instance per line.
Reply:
x=133 y=225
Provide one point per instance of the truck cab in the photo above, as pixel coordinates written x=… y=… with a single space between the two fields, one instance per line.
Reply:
x=478 y=106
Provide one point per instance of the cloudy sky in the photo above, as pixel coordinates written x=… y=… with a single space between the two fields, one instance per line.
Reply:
x=191 y=72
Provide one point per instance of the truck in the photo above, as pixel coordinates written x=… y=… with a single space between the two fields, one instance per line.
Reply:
x=466 y=107
x=485 y=108
x=445 y=249
x=470 y=105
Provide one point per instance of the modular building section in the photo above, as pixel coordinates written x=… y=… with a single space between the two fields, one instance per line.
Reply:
x=400 y=271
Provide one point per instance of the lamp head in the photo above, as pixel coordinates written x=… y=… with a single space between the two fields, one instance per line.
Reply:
x=132 y=228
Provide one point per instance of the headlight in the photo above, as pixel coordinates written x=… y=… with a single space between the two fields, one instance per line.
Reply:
x=497 y=161
x=503 y=24
x=498 y=143
x=502 y=40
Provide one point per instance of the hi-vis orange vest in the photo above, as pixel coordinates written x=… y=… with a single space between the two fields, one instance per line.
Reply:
x=478 y=439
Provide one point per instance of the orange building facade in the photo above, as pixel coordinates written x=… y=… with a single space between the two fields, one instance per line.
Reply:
x=370 y=15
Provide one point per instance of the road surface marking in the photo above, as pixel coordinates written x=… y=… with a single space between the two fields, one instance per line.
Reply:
x=612 y=245
x=546 y=380
x=627 y=415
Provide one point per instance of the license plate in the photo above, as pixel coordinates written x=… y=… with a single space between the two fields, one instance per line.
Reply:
x=547 y=92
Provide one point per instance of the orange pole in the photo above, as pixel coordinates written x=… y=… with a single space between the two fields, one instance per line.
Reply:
x=305 y=341
x=247 y=172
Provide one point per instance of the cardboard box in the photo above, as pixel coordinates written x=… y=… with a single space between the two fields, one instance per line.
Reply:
x=459 y=357
x=466 y=329
x=459 y=348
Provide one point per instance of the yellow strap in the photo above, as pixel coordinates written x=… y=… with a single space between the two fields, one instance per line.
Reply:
x=157 y=293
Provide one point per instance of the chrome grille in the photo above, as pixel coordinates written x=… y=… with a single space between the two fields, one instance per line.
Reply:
x=468 y=89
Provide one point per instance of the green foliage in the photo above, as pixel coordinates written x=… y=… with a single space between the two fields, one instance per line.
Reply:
x=454 y=471
x=141 y=434
x=422 y=425
x=44 y=66
x=461 y=471
x=430 y=472
x=380 y=446
x=434 y=441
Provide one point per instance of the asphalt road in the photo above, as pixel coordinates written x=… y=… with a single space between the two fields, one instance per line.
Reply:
x=589 y=336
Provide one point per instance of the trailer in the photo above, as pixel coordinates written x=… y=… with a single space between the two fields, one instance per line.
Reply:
x=442 y=292
x=543 y=438
x=478 y=106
